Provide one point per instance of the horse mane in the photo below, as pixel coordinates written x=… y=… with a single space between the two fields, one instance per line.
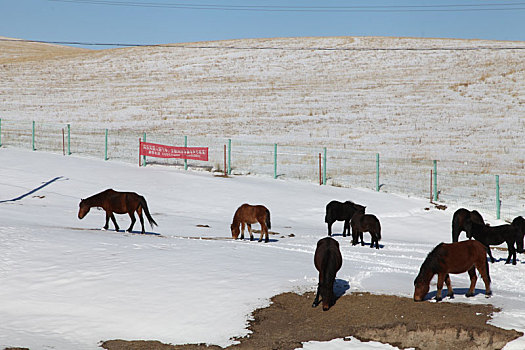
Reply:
x=432 y=263
x=94 y=199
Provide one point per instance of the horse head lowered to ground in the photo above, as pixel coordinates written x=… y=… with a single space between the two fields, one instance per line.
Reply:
x=454 y=258
x=247 y=215
x=327 y=261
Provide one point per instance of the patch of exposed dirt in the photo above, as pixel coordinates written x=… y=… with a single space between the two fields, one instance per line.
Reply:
x=291 y=320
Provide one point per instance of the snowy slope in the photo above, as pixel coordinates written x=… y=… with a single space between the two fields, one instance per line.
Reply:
x=66 y=284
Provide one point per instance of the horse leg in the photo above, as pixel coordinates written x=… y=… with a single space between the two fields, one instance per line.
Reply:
x=242 y=230
x=490 y=254
x=346 y=228
x=361 y=236
x=449 y=287
x=329 y=228
x=483 y=269
x=139 y=213
x=106 y=226
x=441 y=279
x=114 y=222
x=250 y=231
x=473 y=279
x=264 y=230
x=316 y=300
x=512 y=253
x=133 y=220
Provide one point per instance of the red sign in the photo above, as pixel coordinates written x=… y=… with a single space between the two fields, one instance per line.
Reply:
x=163 y=151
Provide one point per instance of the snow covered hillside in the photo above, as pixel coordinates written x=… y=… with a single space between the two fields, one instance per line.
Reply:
x=67 y=285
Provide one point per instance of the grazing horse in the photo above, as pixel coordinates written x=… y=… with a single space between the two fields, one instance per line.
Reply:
x=495 y=235
x=247 y=215
x=458 y=221
x=365 y=223
x=117 y=202
x=458 y=257
x=327 y=261
x=337 y=211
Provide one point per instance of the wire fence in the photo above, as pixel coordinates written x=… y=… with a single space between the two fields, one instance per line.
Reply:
x=472 y=184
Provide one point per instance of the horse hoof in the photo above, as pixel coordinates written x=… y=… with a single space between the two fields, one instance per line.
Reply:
x=439 y=299
x=468 y=295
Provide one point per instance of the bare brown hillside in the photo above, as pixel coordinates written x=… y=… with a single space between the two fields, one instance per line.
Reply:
x=21 y=51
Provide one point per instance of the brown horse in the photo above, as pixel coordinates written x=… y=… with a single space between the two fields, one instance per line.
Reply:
x=117 y=202
x=454 y=258
x=365 y=223
x=247 y=215
x=458 y=221
x=327 y=261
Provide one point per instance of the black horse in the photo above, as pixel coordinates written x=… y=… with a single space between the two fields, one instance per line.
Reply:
x=365 y=223
x=496 y=235
x=519 y=222
x=337 y=211
x=327 y=261
x=458 y=221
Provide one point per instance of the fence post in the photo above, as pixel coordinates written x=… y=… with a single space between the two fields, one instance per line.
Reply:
x=33 y=136
x=225 y=166
x=435 y=181
x=185 y=145
x=63 y=142
x=275 y=161
x=320 y=171
x=324 y=167
x=377 y=172
x=229 y=156
x=140 y=144
x=144 y=157
x=498 y=201
x=106 y=146
x=68 y=139
x=0 y=132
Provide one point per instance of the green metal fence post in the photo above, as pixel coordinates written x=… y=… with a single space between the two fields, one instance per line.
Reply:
x=435 y=181
x=144 y=157
x=33 y=136
x=185 y=145
x=0 y=132
x=498 y=201
x=229 y=156
x=68 y=139
x=106 y=146
x=377 y=172
x=275 y=161
x=324 y=167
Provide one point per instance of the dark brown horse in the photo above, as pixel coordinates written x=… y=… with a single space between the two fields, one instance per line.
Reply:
x=337 y=211
x=247 y=215
x=365 y=223
x=327 y=261
x=117 y=202
x=458 y=221
x=458 y=257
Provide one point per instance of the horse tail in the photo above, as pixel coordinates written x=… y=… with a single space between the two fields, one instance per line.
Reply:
x=268 y=222
x=378 y=230
x=144 y=206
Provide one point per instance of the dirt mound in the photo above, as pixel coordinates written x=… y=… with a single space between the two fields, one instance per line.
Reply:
x=291 y=320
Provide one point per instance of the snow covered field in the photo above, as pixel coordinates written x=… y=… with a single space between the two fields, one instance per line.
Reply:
x=66 y=284
x=411 y=100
